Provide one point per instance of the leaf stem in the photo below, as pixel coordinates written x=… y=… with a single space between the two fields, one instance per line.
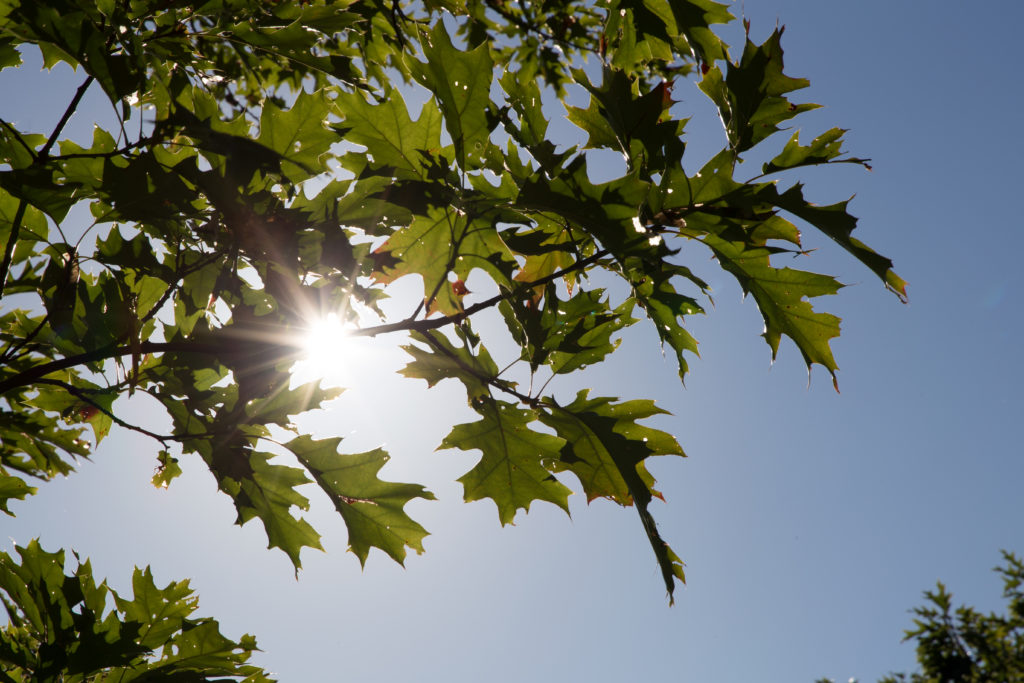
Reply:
x=490 y=381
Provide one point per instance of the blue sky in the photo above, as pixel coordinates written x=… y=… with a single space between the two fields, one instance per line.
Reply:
x=810 y=521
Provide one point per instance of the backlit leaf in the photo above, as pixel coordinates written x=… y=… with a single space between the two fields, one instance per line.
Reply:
x=461 y=83
x=511 y=470
x=606 y=449
x=372 y=508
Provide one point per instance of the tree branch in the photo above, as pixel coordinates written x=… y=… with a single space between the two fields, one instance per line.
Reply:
x=13 y=350
x=435 y=323
x=68 y=113
x=84 y=396
x=12 y=239
x=37 y=372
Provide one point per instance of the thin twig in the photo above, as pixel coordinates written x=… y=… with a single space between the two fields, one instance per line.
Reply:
x=68 y=113
x=12 y=351
x=12 y=239
x=84 y=396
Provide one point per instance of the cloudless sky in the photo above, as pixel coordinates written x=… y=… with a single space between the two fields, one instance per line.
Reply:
x=810 y=521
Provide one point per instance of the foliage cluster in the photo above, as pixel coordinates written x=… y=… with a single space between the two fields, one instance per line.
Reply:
x=963 y=645
x=265 y=170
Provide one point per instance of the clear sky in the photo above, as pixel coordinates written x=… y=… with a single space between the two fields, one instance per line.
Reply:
x=810 y=521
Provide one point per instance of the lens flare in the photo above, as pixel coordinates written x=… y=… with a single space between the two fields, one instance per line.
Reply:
x=327 y=350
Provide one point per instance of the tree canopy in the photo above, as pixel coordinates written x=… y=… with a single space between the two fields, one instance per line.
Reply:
x=265 y=171
x=963 y=645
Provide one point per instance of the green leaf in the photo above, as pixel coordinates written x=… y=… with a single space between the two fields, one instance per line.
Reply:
x=299 y=134
x=33 y=225
x=12 y=488
x=525 y=98
x=443 y=360
x=9 y=55
x=666 y=307
x=461 y=82
x=37 y=186
x=606 y=449
x=826 y=148
x=373 y=509
x=750 y=98
x=636 y=124
x=260 y=488
x=99 y=408
x=511 y=470
x=553 y=253
x=442 y=242
x=386 y=129
x=270 y=494
x=61 y=627
x=167 y=470
x=780 y=295
x=835 y=221
x=694 y=19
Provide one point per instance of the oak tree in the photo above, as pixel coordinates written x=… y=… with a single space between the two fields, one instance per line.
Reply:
x=265 y=171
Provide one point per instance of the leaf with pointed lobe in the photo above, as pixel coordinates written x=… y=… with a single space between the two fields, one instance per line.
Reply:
x=751 y=95
x=511 y=470
x=386 y=130
x=443 y=360
x=780 y=294
x=270 y=492
x=298 y=134
x=373 y=509
x=441 y=242
x=606 y=449
x=835 y=221
x=824 y=149
x=461 y=82
x=694 y=19
x=657 y=295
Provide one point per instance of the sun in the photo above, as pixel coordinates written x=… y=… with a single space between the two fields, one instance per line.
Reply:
x=324 y=339
x=328 y=351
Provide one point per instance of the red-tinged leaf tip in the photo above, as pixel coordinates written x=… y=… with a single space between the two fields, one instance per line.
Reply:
x=704 y=68
x=666 y=93
x=459 y=289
